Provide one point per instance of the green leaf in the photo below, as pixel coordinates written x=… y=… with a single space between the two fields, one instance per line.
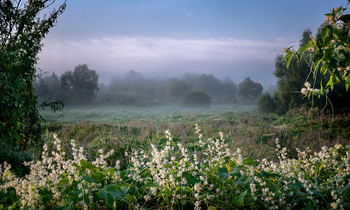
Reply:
x=330 y=82
x=222 y=173
x=190 y=179
x=347 y=82
x=125 y=188
x=89 y=179
x=249 y=161
x=236 y=171
x=131 y=198
x=268 y=175
x=65 y=205
x=345 y=189
x=15 y=134
x=239 y=200
x=86 y=164
x=242 y=181
x=317 y=65
x=289 y=59
x=309 y=206
x=111 y=194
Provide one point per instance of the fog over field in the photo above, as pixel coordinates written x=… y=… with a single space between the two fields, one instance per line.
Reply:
x=174 y=104
x=162 y=39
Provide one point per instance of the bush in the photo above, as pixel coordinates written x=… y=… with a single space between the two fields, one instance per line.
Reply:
x=266 y=104
x=196 y=99
x=23 y=27
x=214 y=176
x=249 y=91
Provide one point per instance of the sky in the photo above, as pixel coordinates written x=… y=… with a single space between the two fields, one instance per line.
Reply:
x=165 y=38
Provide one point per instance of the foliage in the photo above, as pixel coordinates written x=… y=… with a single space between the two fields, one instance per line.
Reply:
x=22 y=28
x=291 y=79
x=122 y=129
x=48 y=88
x=213 y=175
x=176 y=89
x=146 y=91
x=266 y=104
x=249 y=91
x=214 y=87
x=81 y=84
x=330 y=52
x=196 y=99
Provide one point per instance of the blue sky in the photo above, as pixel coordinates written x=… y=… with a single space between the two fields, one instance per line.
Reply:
x=235 y=38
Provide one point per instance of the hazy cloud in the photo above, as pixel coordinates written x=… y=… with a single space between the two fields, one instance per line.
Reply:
x=187 y=12
x=164 y=56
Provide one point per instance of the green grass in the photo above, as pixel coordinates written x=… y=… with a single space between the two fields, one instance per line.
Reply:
x=254 y=133
x=225 y=178
x=122 y=114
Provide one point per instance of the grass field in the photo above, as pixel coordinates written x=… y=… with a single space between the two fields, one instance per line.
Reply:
x=167 y=157
x=122 y=114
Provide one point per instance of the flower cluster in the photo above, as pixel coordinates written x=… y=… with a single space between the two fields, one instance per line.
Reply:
x=176 y=176
x=309 y=90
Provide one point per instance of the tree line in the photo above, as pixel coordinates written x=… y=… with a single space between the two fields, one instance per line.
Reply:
x=81 y=87
x=73 y=87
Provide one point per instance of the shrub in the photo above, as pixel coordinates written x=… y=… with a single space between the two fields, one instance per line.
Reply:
x=249 y=91
x=196 y=99
x=23 y=25
x=266 y=104
x=213 y=176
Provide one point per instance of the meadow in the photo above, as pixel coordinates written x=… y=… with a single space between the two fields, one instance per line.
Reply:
x=167 y=157
x=143 y=112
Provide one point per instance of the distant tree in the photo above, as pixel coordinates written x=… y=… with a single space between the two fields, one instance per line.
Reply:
x=48 y=88
x=249 y=91
x=81 y=83
x=208 y=84
x=229 y=89
x=196 y=99
x=176 y=89
x=190 y=80
x=53 y=82
x=41 y=89
x=306 y=37
x=133 y=76
x=134 y=82
x=266 y=104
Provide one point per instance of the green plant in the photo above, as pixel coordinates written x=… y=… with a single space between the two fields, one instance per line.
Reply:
x=212 y=176
x=196 y=99
x=330 y=52
x=266 y=104
x=22 y=28
x=249 y=91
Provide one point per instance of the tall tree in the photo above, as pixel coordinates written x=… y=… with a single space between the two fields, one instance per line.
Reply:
x=290 y=80
x=48 y=88
x=176 y=89
x=249 y=91
x=81 y=83
x=22 y=28
x=208 y=84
